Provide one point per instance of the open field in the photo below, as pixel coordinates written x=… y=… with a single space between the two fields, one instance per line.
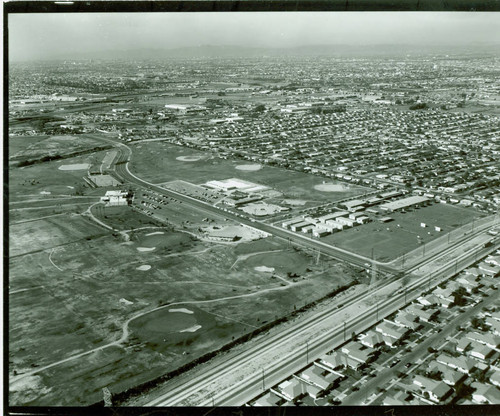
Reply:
x=158 y=163
x=49 y=232
x=47 y=180
x=30 y=148
x=391 y=240
x=77 y=297
x=123 y=217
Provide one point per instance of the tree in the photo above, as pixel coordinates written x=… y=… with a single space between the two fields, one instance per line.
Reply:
x=260 y=108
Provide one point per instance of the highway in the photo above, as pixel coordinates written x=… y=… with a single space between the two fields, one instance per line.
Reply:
x=203 y=390
x=237 y=394
x=122 y=170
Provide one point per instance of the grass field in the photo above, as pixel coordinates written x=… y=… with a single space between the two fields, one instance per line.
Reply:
x=391 y=240
x=38 y=179
x=29 y=148
x=157 y=162
x=73 y=285
x=77 y=297
x=50 y=232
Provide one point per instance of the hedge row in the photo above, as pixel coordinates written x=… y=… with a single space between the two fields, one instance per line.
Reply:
x=57 y=157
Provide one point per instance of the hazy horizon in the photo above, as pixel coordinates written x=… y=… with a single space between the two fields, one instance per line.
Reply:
x=69 y=36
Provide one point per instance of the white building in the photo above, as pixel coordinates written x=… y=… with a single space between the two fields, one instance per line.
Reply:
x=114 y=198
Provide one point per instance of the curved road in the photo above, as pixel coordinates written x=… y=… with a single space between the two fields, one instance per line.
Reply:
x=123 y=171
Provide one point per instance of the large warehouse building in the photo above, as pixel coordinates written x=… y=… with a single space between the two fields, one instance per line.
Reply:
x=404 y=203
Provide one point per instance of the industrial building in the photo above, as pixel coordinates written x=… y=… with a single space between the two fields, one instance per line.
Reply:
x=400 y=204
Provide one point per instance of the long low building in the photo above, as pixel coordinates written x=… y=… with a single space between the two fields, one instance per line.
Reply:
x=332 y=216
x=299 y=226
x=404 y=203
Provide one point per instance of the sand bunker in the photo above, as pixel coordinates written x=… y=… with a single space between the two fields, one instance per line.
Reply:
x=70 y=187
x=331 y=187
x=188 y=158
x=181 y=310
x=252 y=167
x=193 y=328
x=76 y=166
x=264 y=269
x=155 y=233
x=145 y=248
x=143 y=267
x=126 y=302
x=45 y=193
x=297 y=202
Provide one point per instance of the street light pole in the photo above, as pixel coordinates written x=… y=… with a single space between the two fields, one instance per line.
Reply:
x=263 y=385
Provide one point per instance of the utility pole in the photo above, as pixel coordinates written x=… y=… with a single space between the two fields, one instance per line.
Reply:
x=344 y=330
x=377 y=311
x=307 y=352
x=405 y=295
x=263 y=385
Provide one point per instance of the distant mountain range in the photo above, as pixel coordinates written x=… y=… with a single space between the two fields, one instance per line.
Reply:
x=211 y=51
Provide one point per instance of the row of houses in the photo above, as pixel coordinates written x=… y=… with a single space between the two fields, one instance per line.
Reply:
x=473 y=352
x=315 y=381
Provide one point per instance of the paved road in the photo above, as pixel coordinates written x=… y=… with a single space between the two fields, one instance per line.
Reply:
x=209 y=386
x=238 y=393
x=122 y=170
x=420 y=351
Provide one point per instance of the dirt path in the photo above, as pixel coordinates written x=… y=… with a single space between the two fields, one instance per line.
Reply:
x=37 y=219
x=247 y=256
x=25 y=290
x=126 y=332
x=50 y=259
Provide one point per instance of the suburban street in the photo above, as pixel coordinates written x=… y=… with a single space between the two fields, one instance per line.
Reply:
x=218 y=385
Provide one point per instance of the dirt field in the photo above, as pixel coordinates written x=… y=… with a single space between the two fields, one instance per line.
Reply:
x=50 y=232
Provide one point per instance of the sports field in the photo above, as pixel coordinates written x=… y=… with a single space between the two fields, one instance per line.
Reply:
x=391 y=240
x=158 y=163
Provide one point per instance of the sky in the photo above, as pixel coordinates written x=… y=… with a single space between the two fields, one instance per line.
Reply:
x=47 y=36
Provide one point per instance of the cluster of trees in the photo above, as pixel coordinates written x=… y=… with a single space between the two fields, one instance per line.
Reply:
x=419 y=106
x=49 y=158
